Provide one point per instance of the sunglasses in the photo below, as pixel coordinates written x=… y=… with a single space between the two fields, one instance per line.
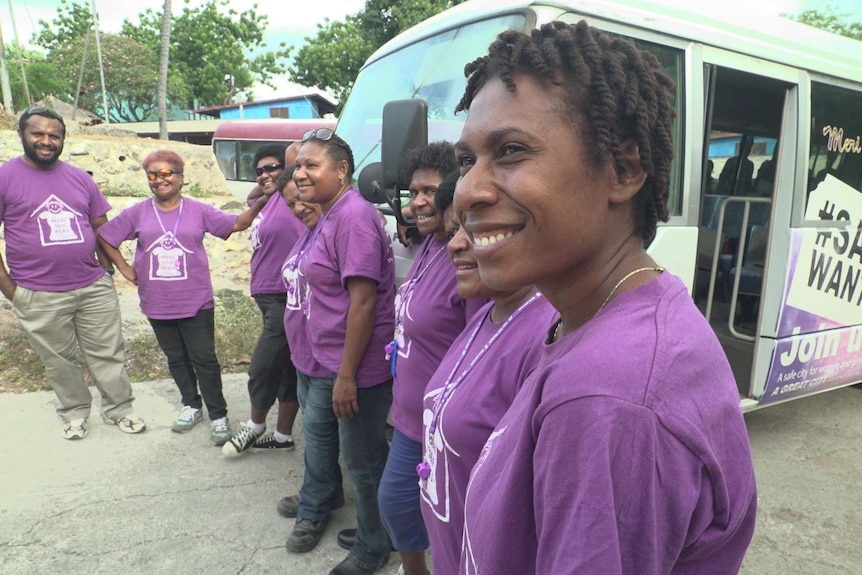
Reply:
x=269 y=168
x=323 y=134
x=164 y=174
x=43 y=111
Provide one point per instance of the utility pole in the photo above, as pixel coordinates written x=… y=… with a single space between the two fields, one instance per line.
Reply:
x=4 y=78
x=101 y=67
x=20 y=56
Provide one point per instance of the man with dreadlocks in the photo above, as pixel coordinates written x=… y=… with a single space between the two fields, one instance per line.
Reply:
x=625 y=451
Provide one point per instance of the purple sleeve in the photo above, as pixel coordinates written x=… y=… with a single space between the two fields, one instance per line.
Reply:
x=619 y=499
x=359 y=248
x=121 y=228
x=217 y=222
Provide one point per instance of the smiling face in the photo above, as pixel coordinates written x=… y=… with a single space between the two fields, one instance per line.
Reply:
x=165 y=190
x=537 y=212
x=271 y=168
x=306 y=212
x=42 y=139
x=423 y=186
x=318 y=177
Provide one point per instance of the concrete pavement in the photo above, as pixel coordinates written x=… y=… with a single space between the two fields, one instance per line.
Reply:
x=162 y=503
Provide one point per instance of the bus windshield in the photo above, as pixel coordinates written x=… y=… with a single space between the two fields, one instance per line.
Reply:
x=431 y=69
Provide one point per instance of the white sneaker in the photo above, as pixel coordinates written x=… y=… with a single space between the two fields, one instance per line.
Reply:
x=130 y=423
x=220 y=431
x=75 y=429
x=189 y=417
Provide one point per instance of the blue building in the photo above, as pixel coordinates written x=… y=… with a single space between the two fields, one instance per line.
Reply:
x=307 y=106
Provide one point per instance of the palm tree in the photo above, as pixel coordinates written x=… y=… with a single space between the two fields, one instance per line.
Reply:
x=162 y=91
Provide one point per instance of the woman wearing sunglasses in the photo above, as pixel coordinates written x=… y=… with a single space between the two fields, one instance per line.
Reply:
x=347 y=264
x=172 y=273
x=271 y=375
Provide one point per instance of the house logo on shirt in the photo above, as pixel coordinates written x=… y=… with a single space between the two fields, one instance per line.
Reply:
x=254 y=232
x=298 y=290
x=58 y=223
x=402 y=310
x=166 y=258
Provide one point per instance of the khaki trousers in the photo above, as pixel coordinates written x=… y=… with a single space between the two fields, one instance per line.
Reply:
x=58 y=323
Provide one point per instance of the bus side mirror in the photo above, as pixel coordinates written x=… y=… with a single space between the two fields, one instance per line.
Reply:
x=369 y=184
x=405 y=126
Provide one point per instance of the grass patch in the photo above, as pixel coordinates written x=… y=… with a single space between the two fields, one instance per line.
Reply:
x=237 y=327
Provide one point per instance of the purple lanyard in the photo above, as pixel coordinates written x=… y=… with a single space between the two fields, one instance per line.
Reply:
x=450 y=385
x=408 y=287
x=162 y=225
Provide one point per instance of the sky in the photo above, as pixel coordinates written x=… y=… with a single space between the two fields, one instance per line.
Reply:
x=292 y=20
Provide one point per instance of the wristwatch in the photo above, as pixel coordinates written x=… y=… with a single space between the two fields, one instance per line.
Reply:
x=110 y=269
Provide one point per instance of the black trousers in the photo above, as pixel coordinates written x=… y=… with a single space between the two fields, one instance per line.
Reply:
x=189 y=345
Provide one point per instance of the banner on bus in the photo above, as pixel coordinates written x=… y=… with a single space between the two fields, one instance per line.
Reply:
x=820 y=327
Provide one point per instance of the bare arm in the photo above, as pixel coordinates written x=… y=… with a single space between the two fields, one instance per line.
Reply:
x=243 y=222
x=114 y=255
x=7 y=286
x=255 y=193
x=96 y=223
x=360 y=323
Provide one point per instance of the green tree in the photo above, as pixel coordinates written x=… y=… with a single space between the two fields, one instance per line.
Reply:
x=43 y=77
x=332 y=59
x=219 y=53
x=131 y=74
x=71 y=24
x=831 y=20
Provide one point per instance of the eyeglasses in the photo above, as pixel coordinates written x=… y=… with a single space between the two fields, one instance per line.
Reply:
x=269 y=168
x=323 y=134
x=164 y=174
x=43 y=111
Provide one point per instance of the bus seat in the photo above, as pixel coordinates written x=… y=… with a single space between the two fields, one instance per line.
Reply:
x=751 y=276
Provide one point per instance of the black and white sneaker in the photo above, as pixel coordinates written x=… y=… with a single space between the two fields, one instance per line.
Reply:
x=268 y=441
x=239 y=442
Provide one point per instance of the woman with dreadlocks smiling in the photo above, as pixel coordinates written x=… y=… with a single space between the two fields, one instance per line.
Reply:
x=625 y=451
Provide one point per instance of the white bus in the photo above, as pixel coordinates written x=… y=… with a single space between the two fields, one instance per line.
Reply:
x=769 y=243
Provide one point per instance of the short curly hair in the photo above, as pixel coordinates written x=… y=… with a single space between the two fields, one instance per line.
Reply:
x=445 y=193
x=613 y=91
x=269 y=151
x=438 y=156
x=171 y=157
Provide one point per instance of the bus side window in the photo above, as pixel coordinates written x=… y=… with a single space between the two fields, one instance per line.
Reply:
x=836 y=136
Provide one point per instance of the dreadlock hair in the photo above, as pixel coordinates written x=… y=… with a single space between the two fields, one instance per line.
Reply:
x=613 y=91
x=446 y=191
x=438 y=156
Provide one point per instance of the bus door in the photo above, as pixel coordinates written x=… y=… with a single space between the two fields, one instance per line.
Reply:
x=746 y=185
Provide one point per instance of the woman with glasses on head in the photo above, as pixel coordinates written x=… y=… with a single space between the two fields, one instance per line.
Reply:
x=271 y=375
x=348 y=269
x=172 y=273
x=625 y=450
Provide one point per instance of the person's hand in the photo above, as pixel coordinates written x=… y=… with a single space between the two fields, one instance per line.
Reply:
x=130 y=274
x=10 y=291
x=344 y=402
x=402 y=236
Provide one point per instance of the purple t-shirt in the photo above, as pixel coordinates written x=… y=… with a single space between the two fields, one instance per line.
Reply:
x=173 y=270
x=46 y=215
x=295 y=312
x=625 y=451
x=272 y=235
x=470 y=413
x=351 y=241
x=429 y=314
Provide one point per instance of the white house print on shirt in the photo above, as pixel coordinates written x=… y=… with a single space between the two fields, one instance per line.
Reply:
x=58 y=223
x=166 y=258
x=254 y=232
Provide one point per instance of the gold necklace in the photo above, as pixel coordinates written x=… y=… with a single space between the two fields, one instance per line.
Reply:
x=610 y=295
